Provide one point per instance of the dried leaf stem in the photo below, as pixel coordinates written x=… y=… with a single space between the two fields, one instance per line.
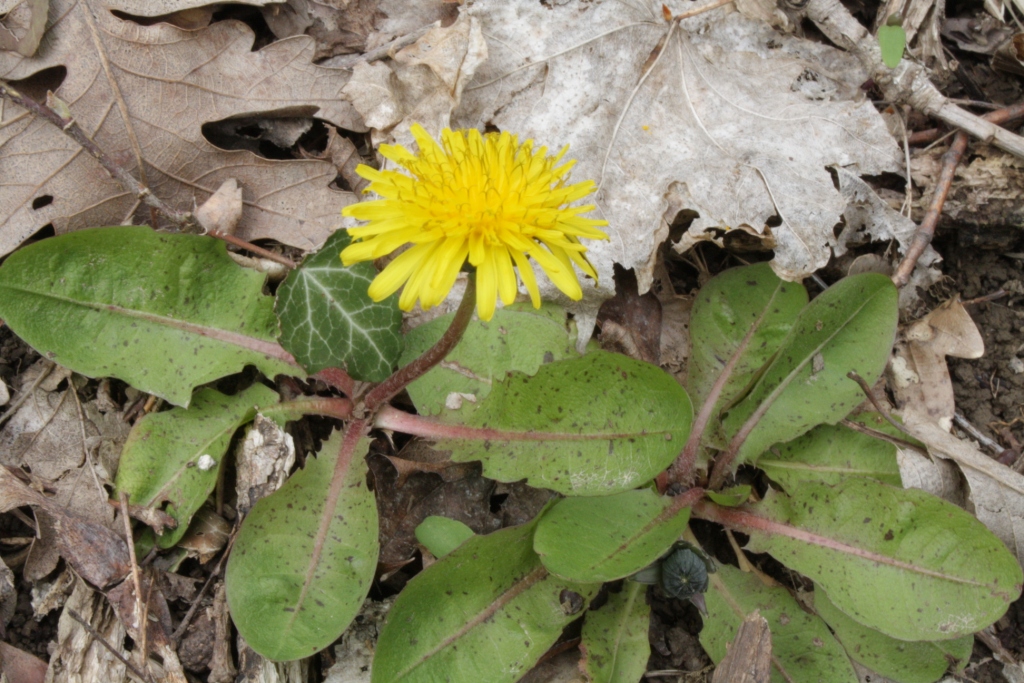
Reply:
x=999 y=116
x=185 y=220
x=926 y=230
x=950 y=160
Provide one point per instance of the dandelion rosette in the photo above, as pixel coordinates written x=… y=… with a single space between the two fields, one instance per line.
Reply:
x=486 y=198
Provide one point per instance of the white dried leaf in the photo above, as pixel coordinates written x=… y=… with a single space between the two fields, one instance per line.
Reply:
x=737 y=120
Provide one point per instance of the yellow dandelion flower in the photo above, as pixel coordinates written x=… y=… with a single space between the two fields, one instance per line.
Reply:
x=486 y=198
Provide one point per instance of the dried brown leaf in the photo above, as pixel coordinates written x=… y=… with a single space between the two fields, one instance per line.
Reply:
x=143 y=93
x=22 y=25
x=21 y=667
x=919 y=373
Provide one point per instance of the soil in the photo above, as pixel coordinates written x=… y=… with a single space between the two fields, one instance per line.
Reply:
x=988 y=392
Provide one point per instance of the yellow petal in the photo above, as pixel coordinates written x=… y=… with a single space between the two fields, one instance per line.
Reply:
x=528 y=277
x=396 y=273
x=507 y=285
x=486 y=288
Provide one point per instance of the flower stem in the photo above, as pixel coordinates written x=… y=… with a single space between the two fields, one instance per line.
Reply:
x=401 y=378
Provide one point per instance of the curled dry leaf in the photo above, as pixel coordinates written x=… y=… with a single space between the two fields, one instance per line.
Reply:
x=21 y=25
x=737 y=120
x=223 y=209
x=920 y=376
x=143 y=93
x=423 y=84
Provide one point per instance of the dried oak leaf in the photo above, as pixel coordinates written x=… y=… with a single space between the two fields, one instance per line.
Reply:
x=143 y=93
x=736 y=120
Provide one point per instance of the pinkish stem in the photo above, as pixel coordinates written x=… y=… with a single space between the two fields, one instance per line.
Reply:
x=340 y=408
x=417 y=425
x=389 y=388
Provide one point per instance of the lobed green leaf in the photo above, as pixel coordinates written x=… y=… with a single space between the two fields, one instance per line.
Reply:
x=161 y=461
x=746 y=311
x=614 y=639
x=163 y=312
x=607 y=538
x=594 y=425
x=803 y=649
x=485 y=612
x=851 y=326
x=899 y=660
x=831 y=454
x=900 y=561
x=441 y=535
x=305 y=556
x=329 y=321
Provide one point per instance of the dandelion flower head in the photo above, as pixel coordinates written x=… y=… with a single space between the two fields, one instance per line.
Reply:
x=486 y=198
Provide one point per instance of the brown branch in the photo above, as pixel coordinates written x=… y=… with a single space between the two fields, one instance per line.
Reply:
x=926 y=230
x=98 y=637
x=141 y=615
x=249 y=246
x=908 y=83
x=67 y=125
x=389 y=388
x=999 y=116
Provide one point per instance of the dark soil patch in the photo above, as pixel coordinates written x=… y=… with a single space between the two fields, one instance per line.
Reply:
x=988 y=392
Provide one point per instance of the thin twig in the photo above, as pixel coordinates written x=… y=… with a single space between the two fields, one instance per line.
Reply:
x=963 y=423
x=249 y=246
x=183 y=219
x=908 y=83
x=926 y=230
x=999 y=116
x=180 y=631
x=389 y=388
x=882 y=410
x=141 y=629
x=98 y=637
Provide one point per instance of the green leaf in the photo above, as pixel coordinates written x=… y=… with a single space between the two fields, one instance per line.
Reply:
x=441 y=535
x=485 y=612
x=851 y=326
x=161 y=460
x=892 y=40
x=607 y=538
x=614 y=639
x=803 y=649
x=830 y=454
x=516 y=338
x=594 y=425
x=900 y=660
x=305 y=556
x=734 y=496
x=163 y=312
x=329 y=321
x=900 y=561
x=750 y=300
